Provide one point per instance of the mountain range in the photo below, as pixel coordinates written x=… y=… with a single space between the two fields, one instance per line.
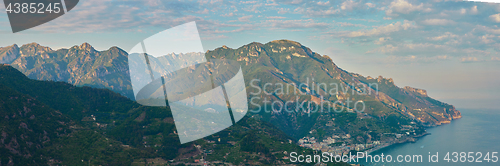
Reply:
x=79 y=65
x=387 y=107
x=287 y=62
x=56 y=123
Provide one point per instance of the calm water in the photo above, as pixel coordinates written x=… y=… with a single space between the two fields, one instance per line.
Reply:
x=477 y=131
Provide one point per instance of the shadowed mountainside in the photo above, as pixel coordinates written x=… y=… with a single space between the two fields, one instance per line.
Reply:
x=55 y=123
x=386 y=106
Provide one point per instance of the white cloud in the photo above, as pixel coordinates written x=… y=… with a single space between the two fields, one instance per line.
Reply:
x=245 y=18
x=415 y=59
x=389 y=34
x=381 y=30
x=227 y=14
x=296 y=2
x=87 y=17
x=214 y=37
x=152 y=2
x=366 y=20
x=469 y=59
x=204 y=12
x=275 y=17
x=389 y=48
x=473 y=10
x=431 y=50
x=240 y=28
x=347 y=24
x=271 y=3
x=495 y=18
x=323 y=3
x=427 y=50
x=443 y=57
x=404 y=7
x=444 y=36
x=349 y=5
x=295 y=24
x=382 y=40
x=438 y=22
x=248 y=2
x=283 y=10
x=202 y=2
x=487 y=39
x=463 y=11
x=315 y=12
x=370 y=5
x=488 y=29
x=254 y=8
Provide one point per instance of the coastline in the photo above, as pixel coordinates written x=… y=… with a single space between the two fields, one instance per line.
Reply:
x=412 y=139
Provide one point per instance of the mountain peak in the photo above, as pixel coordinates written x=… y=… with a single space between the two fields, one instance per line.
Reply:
x=14 y=46
x=117 y=49
x=9 y=54
x=36 y=47
x=254 y=44
x=86 y=46
x=31 y=45
x=284 y=41
x=416 y=90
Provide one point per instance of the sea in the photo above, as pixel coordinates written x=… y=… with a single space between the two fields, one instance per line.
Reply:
x=472 y=140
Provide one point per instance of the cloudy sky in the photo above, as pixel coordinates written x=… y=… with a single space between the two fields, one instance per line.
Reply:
x=450 y=48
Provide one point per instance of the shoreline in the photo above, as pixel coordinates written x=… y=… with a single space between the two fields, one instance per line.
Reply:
x=412 y=139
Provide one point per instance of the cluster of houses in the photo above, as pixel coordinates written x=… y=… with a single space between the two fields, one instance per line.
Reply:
x=330 y=145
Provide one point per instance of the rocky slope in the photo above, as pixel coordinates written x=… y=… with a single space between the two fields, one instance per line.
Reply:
x=27 y=125
x=287 y=62
x=277 y=62
x=55 y=123
x=79 y=65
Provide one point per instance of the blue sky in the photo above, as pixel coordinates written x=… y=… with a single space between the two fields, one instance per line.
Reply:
x=450 y=48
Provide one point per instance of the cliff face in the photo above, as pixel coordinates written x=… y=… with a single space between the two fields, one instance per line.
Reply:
x=79 y=65
x=415 y=90
x=27 y=126
x=49 y=123
x=9 y=54
x=280 y=61
x=287 y=62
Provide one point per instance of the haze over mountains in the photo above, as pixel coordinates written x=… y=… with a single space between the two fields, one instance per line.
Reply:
x=79 y=65
x=387 y=106
x=286 y=62
x=55 y=123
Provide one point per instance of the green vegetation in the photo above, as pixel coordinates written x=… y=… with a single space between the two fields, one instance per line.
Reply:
x=285 y=62
x=79 y=116
x=78 y=65
x=51 y=123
